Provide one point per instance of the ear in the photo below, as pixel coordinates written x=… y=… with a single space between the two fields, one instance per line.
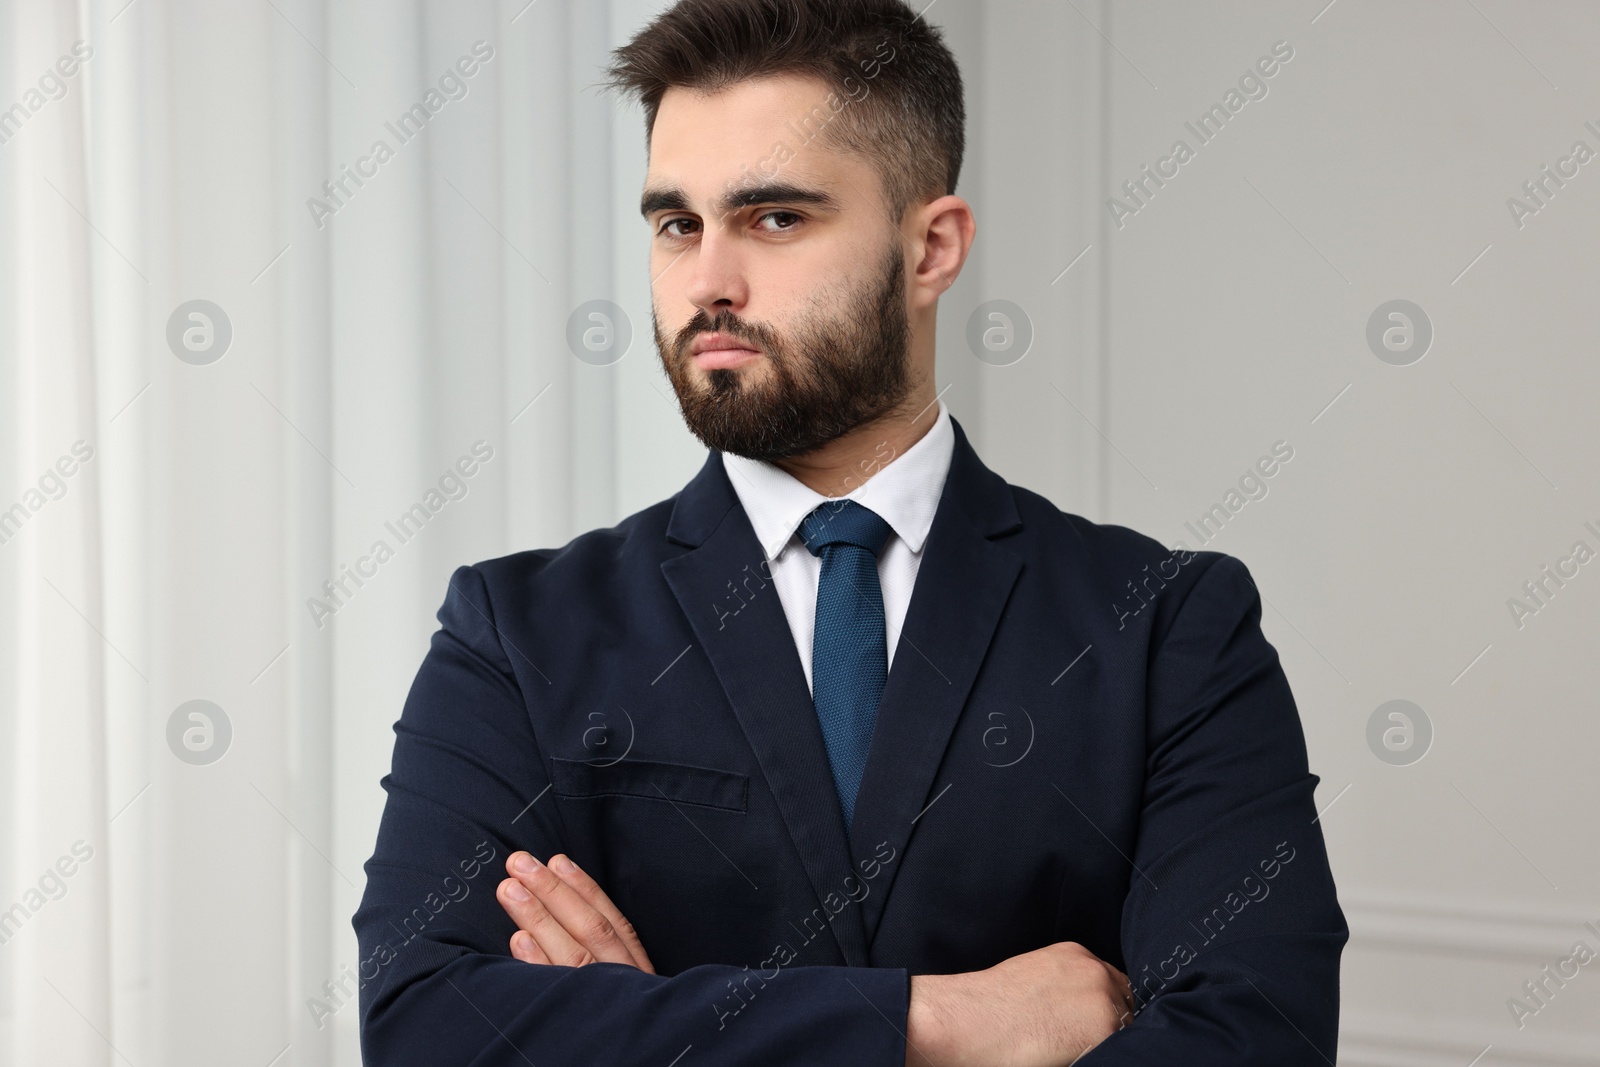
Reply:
x=942 y=232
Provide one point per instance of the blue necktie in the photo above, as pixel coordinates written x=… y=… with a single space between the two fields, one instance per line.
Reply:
x=849 y=654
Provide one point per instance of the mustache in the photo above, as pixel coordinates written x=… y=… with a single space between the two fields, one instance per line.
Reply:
x=724 y=323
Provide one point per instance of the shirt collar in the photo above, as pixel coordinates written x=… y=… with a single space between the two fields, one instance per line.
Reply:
x=905 y=491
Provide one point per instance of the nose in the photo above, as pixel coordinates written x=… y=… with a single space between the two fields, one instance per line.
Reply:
x=717 y=276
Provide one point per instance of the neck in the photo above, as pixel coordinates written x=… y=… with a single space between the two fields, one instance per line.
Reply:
x=846 y=462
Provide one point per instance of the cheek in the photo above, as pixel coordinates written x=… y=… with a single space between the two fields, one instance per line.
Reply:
x=670 y=315
x=669 y=273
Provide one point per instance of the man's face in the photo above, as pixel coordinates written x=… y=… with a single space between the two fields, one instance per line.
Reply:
x=768 y=241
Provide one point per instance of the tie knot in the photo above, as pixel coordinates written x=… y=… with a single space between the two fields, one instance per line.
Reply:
x=844 y=521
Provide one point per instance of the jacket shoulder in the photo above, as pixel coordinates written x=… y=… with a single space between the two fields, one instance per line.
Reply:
x=642 y=534
x=1104 y=545
x=1127 y=566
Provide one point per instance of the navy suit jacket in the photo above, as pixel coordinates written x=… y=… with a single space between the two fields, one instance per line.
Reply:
x=1084 y=737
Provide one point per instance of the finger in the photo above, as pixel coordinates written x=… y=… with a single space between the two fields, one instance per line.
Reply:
x=526 y=949
x=532 y=917
x=590 y=891
x=581 y=921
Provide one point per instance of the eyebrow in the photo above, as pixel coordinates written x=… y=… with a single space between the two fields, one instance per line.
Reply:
x=672 y=198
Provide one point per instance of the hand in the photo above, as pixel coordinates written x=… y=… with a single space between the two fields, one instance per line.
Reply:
x=564 y=917
x=1043 y=1008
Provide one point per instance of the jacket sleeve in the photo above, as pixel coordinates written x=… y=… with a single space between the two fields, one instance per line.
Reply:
x=438 y=984
x=1231 y=930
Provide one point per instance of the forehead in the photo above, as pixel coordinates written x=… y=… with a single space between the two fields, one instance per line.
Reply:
x=752 y=129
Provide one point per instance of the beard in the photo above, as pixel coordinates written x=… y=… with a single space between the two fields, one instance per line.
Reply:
x=827 y=376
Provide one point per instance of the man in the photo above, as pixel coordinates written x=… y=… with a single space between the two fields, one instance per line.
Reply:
x=862 y=754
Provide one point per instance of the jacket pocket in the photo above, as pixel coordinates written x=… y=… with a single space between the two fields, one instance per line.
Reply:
x=677 y=782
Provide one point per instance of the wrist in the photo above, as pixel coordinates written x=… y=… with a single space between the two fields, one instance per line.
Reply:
x=927 y=1021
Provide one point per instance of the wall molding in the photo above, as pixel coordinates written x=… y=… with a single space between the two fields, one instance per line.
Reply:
x=1494 y=929
x=1528 y=933
x=1381 y=1039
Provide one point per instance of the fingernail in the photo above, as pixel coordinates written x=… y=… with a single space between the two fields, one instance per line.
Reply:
x=525 y=864
x=516 y=891
x=564 y=865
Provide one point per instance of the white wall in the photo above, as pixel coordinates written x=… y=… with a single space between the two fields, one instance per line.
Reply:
x=428 y=312
x=1379 y=167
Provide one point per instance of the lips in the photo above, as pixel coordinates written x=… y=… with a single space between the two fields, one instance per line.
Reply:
x=723 y=358
x=717 y=351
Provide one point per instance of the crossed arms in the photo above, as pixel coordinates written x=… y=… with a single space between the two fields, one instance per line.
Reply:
x=1041 y=1008
x=561 y=977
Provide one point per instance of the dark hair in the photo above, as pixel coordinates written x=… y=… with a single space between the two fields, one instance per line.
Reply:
x=910 y=124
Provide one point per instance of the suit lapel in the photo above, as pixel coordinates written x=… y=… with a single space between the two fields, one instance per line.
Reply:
x=962 y=586
x=753 y=653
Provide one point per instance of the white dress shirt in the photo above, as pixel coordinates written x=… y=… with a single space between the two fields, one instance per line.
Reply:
x=904 y=491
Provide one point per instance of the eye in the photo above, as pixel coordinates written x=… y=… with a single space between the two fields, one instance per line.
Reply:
x=781 y=214
x=673 y=222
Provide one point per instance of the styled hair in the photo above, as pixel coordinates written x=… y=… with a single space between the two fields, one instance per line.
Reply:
x=896 y=97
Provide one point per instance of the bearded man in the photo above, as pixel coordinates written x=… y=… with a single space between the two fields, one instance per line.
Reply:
x=850 y=751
